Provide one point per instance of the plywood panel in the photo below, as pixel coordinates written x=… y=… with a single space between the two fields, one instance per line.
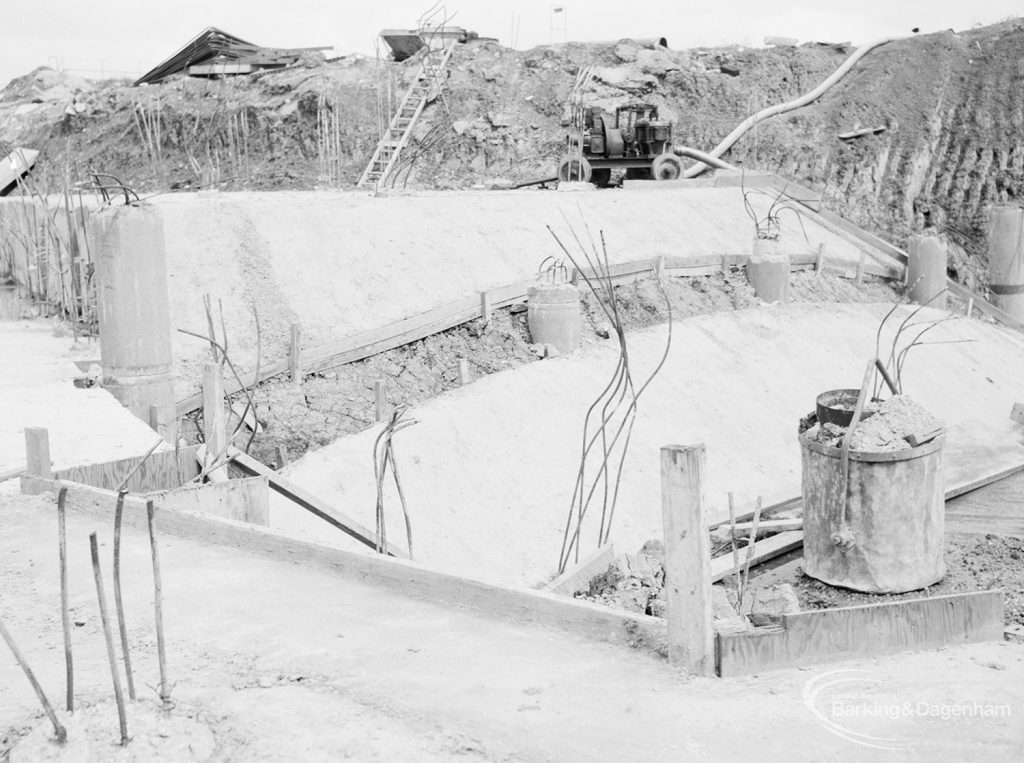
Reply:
x=163 y=470
x=805 y=638
x=244 y=500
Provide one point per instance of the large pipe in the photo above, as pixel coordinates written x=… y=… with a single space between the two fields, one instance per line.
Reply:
x=781 y=108
x=703 y=156
x=1006 y=258
x=926 y=270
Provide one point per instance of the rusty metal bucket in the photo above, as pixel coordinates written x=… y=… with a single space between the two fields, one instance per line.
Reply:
x=896 y=515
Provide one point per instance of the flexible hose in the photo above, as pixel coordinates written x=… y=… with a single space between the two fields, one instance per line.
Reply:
x=703 y=156
x=781 y=108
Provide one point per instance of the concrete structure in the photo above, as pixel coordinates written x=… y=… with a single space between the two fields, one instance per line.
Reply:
x=926 y=269
x=1006 y=259
x=134 y=309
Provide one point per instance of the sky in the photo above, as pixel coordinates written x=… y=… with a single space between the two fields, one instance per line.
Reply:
x=129 y=36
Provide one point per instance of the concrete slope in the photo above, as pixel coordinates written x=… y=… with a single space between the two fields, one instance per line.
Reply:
x=490 y=468
x=341 y=263
x=36 y=385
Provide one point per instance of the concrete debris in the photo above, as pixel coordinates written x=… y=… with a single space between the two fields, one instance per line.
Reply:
x=767 y=605
x=632 y=582
x=886 y=430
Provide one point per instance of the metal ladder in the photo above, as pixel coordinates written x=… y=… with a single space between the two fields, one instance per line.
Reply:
x=425 y=87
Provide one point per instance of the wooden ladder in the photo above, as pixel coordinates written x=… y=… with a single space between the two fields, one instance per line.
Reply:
x=425 y=87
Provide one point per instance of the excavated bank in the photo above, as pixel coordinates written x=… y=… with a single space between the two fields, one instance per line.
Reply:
x=341 y=401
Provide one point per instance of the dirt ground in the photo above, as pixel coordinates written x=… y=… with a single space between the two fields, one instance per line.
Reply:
x=947 y=147
x=272 y=661
x=341 y=401
x=972 y=564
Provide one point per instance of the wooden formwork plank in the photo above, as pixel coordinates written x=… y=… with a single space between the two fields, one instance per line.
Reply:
x=244 y=500
x=311 y=503
x=591 y=621
x=805 y=638
x=980 y=303
x=578 y=577
x=162 y=470
x=1017 y=413
x=769 y=548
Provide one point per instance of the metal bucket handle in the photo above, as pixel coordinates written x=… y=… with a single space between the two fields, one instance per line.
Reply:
x=843 y=538
x=549 y=270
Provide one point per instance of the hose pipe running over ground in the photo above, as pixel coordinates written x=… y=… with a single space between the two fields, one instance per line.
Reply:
x=782 y=108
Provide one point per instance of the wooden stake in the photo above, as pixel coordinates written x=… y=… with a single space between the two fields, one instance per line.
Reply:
x=380 y=394
x=118 y=696
x=859 y=280
x=485 y=306
x=214 y=418
x=165 y=692
x=735 y=548
x=58 y=729
x=819 y=265
x=970 y=307
x=37 y=452
x=687 y=559
x=463 y=371
x=750 y=553
x=118 y=605
x=295 y=354
x=65 y=615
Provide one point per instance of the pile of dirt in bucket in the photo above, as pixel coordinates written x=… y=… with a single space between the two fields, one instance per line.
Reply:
x=883 y=427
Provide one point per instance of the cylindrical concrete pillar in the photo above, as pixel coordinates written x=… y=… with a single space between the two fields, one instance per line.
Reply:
x=554 y=315
x=926 y=270
x=1006 y=259
x=768 y=270
x=127 y=245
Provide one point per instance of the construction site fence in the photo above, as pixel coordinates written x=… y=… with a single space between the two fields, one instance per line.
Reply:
x=44 y=250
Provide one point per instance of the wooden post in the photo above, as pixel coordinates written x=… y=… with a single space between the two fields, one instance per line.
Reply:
x=214 y=418
x=108 y=637
x=295 y=354
x=463 y=371
x=659 y=267
x=691 y=644
x=37 y=452
x=65 y=614
x=819 y=265
x=161 y=651
x=380 y=394
x=860 y=269
x=485 y=306
x=161 y=421
x=970 y=307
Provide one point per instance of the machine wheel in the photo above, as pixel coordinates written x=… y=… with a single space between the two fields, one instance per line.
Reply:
x=601 y=177
x=667 y=167
x=575 y=169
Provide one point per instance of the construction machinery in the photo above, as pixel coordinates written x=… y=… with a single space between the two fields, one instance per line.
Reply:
x=632 y=138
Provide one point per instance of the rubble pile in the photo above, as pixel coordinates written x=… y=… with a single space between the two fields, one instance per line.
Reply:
x=885 y=427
